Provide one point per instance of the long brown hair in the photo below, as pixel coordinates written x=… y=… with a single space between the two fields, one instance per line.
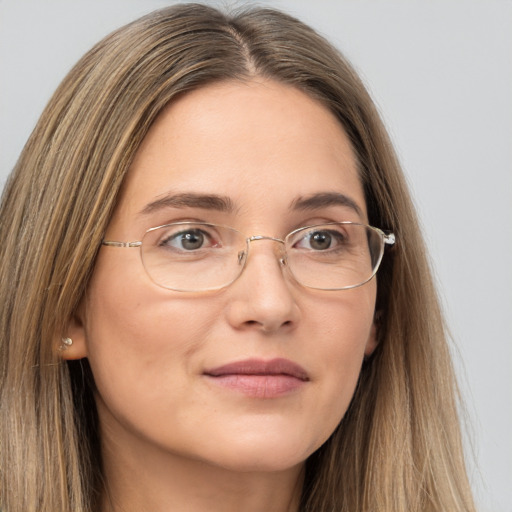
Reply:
x=398 y=448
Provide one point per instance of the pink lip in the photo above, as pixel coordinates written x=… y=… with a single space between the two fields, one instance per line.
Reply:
x=259 y=378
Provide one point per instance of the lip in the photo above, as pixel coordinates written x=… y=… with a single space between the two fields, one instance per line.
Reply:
x=260 y=378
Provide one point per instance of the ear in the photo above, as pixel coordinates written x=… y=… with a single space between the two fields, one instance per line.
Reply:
x=76 y=332
x=373 y=338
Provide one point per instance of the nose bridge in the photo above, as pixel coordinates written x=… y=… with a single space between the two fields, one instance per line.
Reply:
x=265 y=299
x=257 y=238
x=244 y=256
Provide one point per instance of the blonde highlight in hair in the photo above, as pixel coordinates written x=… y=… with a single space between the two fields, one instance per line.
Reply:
x=398 y=448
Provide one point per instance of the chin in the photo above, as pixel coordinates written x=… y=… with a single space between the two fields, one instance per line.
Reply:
x=265 y=453
x=260 y=463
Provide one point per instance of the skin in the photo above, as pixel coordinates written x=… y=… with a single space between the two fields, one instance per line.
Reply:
x=172 y=438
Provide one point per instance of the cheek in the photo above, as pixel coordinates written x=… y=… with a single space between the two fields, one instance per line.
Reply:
x=140 y=339
x=343 y=331
x=345 y=321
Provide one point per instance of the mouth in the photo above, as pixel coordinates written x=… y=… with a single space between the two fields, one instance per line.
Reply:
x=260 y=378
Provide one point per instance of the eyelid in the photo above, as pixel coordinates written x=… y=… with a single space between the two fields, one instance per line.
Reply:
x=321 y=221
x=177 y=226
x=175 y=229
x=177 y=220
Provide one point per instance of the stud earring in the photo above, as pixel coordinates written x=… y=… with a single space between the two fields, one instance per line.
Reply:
x=66 y=342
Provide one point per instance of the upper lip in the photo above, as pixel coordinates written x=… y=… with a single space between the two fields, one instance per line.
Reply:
x=278 y=366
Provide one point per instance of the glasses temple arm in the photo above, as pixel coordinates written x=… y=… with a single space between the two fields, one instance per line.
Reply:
x=112 y=243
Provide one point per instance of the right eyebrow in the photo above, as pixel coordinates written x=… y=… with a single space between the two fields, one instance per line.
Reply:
x=190 y=200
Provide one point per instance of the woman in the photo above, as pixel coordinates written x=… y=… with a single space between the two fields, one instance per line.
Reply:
x=193 y=323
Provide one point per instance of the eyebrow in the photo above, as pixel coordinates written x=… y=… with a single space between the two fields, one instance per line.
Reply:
x=225 y=204
x=190 y=200
x=323 y=200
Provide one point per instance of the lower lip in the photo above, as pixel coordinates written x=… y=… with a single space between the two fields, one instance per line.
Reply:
x=259 y=386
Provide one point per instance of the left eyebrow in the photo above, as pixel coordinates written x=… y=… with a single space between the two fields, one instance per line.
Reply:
x=324 y=200
x=190 y=200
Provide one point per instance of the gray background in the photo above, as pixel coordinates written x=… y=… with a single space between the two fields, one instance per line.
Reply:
x=441 y=73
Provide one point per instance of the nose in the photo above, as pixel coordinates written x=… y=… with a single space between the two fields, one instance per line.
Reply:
x=262 y=298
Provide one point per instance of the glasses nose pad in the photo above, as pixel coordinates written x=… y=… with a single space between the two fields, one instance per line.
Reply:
x=242 y=255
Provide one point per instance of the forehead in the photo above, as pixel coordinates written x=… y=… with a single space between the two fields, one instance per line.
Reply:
x=262 y=144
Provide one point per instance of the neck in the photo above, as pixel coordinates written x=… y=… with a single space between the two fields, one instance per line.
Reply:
x=147 y=479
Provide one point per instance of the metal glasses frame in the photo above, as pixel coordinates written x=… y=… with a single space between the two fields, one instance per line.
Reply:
x=388 y=239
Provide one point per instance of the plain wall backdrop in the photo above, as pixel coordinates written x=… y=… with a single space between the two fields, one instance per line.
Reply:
x=441 y=74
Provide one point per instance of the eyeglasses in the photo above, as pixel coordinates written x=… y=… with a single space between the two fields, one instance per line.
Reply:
x=199 y=256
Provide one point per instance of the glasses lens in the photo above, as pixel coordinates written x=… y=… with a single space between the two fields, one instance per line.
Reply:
x=334 y=256
x=188 y=256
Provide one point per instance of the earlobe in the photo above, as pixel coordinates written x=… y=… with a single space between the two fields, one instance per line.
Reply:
x=373 y=338
x=73 y=344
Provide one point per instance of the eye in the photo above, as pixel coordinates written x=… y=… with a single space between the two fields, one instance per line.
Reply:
x=321 y=240
x=189 y=240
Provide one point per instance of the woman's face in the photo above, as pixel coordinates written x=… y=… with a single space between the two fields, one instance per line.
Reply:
x=176 y=371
